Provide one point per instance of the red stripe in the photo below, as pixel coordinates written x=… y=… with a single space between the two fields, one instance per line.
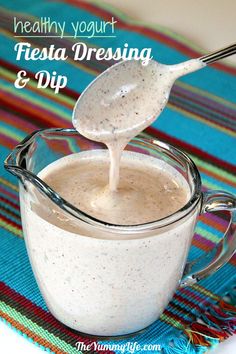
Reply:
x=45 y=316
x=198 y=111
x=175 y=317
x=10 y=222
x=153 y=131
x=188 y=302
x=17 y=121
x=7 y=141
x=154 y=34
x=14 y=68
x=191 y=149
x=203 y=243
x=218 y=177
x=11 y=214
x=213 y=223
x=199 y=297
x=41 y=116
x=7 y=201
x=180 y=92
x=9 y=194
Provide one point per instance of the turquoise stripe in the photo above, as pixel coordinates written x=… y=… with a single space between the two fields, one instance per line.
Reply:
x=219 y=184
x=8 y=188
x=194 y=253
x=19 y=276
x=211 y=140
x=217 y=282
x=197 y=133
x=221 y=280
x=77 y=78
x=20 y=135
x=9 y=216
x=209 y=79
x=210 y=229
x=42 y=101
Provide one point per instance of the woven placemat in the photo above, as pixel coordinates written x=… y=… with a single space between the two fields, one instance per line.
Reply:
x=200 y=118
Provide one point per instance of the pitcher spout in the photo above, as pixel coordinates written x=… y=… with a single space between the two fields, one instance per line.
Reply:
x=15 y=163
x=36 y=152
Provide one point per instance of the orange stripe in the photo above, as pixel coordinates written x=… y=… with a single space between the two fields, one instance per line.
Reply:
x=100 y=11
x=10 y=222
x=31 y=334
x=41 y=114
x=206 y=248
x=55 y=98
x=217 y=176
x=10 y=143
x=200 y=245
x=216 y=225
x=10 y=213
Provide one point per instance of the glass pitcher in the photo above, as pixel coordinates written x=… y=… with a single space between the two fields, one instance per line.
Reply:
x=104 y=279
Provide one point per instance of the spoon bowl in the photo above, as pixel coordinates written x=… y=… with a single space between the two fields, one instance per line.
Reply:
x=121 y=98
x=126 y=98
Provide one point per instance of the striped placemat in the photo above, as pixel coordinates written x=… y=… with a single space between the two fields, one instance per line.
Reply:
x=200 y=119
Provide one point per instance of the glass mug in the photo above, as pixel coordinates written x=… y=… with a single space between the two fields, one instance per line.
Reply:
x=103 y=279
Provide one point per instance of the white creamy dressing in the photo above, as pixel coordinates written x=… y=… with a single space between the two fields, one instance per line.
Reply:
x=123 y=101
x=149 y=189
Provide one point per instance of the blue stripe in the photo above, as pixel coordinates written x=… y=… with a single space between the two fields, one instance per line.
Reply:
x=209 y=79
x=77 y=78
x=42 y=100
x=210 y=229
x=196 y=133
x=9 y=216
x=20 y=134
x=220 y=185
x=15 y=268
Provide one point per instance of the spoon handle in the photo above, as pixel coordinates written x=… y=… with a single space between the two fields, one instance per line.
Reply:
x=219 y=54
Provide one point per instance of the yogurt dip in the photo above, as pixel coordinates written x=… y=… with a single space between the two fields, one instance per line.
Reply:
x=148 y=190
x=103 y=282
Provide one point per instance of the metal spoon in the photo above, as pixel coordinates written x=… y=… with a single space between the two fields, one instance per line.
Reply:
x=219 y=54
x=128 y=97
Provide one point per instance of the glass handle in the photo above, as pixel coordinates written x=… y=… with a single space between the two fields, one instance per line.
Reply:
x=205 y=265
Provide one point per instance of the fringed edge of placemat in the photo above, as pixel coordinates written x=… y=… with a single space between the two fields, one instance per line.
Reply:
x=213 y=324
